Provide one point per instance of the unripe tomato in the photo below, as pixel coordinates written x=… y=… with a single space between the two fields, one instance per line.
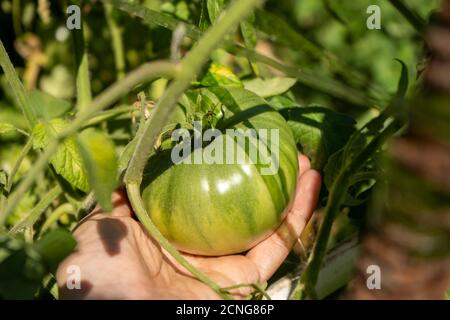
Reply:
x=220 y=209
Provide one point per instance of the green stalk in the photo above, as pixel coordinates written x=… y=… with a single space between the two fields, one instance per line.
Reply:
x=17 y=88
x=83 y=83
x=36 y=212
x=19 y=160
x=108 y=114
x=337 y=193
x=142 y=74
x=55 y=215
x=117 y=41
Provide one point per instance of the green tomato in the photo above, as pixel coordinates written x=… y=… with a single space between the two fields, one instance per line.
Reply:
x=219 y=209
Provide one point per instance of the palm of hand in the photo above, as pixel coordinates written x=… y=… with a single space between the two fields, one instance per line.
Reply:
x=117 y=258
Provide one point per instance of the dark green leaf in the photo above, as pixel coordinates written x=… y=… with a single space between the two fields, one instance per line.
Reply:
x=319 y=131
x=99 y=155
x=248 y=32
x=67 y=160
x=282 y=102
x=203 y=23
x=403 y=83
x=21 y=269
x=214 y=9
x=54 y=247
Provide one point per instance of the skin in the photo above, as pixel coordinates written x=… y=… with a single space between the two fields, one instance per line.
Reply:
x=118 y=259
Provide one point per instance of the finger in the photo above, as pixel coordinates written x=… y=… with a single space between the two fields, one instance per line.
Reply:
x=303 y=163
x=270 y=254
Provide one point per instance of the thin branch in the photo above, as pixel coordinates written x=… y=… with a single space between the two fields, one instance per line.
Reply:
x=19 y=160
x=37 y=210
x=17 y=87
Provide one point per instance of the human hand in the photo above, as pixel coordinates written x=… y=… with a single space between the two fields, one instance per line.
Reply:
x=119 y=260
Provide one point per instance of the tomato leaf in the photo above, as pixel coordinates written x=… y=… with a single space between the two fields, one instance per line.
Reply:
x=48 y=107
x=203 y=22
x=21 y=269
x=282 y=102
x=214 y=9
x=269 y=87
x=248 y=32
x=67 y=160
x=54 y=247
x=99 y=155
x=23 y=266
x=218 y=75
x=319 y=131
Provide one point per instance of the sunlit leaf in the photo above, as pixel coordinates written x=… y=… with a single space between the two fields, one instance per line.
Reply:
x=67 y=160
x=218 y=75
x=269 y=87
x=99 y=155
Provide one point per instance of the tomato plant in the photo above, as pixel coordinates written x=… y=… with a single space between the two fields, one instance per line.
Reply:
x=127 y=95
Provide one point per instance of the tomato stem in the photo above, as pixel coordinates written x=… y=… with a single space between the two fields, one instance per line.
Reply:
x=308 y=280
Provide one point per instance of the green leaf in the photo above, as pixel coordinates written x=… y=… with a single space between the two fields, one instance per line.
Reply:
x=282 y=102
x=214 y=9
x=218 y=75
x=319 y=131
x=403 y=82
x=17 y=87
x=248 y=32
x=269 y=87
x=359 y=183
x=99 y=155
x=67 y=160
x=6 y=128
x=48 y=107
x=203 y=22
x=21 y=269
x=54 y=247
